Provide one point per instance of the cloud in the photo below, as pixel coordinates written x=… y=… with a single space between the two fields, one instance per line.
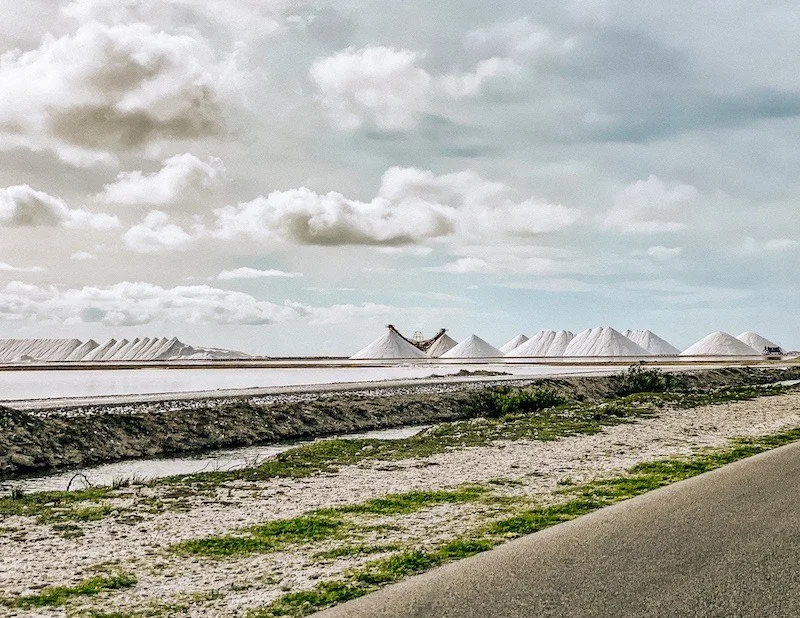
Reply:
x=305 y=217
x=83 y=256
x=516 y=38
x=377 y=86
x=127 y=303
x=156 y=234
x=254 y=273
x=8 y=268
x=106 y=89
x=662 y=253
x=22 y=206
x=471 y=84
x=551 y=285
x=182 y=177
x=461 y=266
x=649 y=207
x=243 y=19
x=775 y=245
x=134 y=303
x=344 y=314
x=412 y=206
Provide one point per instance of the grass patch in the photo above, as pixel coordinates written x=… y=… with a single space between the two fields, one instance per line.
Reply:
x=411 y=502
x=55 y=596
x=370 y=577
x=322 y=525
x=268 y=537
x=306 y=602
x=58 y=506
x=351 y=551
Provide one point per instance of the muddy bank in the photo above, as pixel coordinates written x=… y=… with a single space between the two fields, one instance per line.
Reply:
x=72 y=438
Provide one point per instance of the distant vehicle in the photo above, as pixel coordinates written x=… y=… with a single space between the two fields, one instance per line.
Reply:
x=773 y=353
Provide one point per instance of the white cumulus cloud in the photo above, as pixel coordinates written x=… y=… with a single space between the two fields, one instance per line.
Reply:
x=23 y=206
x=182 y=177
x=649 y=207
x=254 y=273
x=378 y=86
x=412 y=206
x=156 y=233
x=106 y=89
x=472 y=83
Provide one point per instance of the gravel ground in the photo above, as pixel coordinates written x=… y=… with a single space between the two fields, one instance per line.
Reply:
x=33 y=556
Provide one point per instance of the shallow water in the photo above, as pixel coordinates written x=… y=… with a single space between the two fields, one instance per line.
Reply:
x=217 y=460
x=48 y=384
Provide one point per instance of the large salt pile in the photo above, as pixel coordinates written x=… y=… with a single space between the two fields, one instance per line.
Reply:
x=82 y=350
x=473 y=347
x=560 y=343
x=544 y=343
x=441 y=345
x=652 y=342
x=514 y=343
x=535 y=346
x=100 y=351
x=50 y=350
x=37 y=349
x=720 y=344
x=389 y=345
x=603 y=341
x=757 y=342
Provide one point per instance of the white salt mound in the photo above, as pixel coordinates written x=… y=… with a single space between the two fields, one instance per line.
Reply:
x=514 y=343
x=473 y=347
x=560 y=343
x=389 y=345
x=603 y=341
x=720 y=344
x=37 y=349
x=100 y=351
x=544 y=343
x=441 y=345
x=50 y=350
x=82 y=350
x=652 y=342
x=535 y=346
x=757 y=342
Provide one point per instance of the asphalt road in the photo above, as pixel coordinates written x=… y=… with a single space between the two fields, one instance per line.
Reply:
x=726 y=543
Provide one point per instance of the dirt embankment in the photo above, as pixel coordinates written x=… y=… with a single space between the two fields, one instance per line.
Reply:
x=34 y=442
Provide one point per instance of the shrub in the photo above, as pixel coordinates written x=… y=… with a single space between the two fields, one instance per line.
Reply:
x=505 y=402
x=640 y=380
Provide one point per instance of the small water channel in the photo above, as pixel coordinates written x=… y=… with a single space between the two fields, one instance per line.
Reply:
x=147 y=469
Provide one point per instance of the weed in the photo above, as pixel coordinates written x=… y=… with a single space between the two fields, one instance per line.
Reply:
x=58 y=595
x=410 y=502
x=267 y=537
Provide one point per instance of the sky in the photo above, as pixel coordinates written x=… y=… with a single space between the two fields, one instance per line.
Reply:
x=285 y=177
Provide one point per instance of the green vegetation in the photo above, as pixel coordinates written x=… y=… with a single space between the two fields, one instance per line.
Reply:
x=402 y=504
x=58 y=506
x=349 y=551
x=640 y=479
x=58 y=595
x=303 y=603
x=638 y=379
x=581 y=500
x=370 y=577
x=268 y=537
x=503 y=402
x=321 y=525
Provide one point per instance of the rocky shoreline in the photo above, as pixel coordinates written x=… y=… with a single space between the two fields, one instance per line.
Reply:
x=35 y=442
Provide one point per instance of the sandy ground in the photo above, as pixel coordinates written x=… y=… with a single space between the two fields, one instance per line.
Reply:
x=33 y=556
